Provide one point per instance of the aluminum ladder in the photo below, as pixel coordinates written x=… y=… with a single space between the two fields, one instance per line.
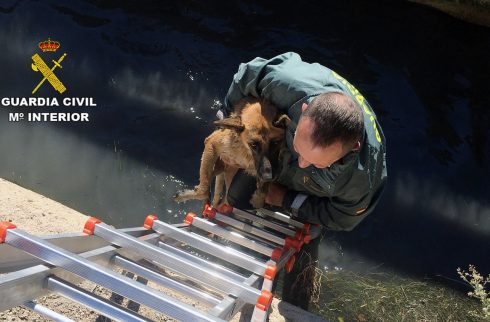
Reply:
x=244 y=251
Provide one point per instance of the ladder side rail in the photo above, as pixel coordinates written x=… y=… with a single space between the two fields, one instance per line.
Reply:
x=285 y=257
x=231 y=305
x=260 y=313
x=103 y=276
x=28 y=283
x=13 y=259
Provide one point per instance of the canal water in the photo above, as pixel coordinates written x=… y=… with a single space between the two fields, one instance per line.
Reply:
x=158 y=72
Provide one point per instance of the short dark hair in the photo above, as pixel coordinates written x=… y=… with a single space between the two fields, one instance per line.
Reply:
x=336 y=116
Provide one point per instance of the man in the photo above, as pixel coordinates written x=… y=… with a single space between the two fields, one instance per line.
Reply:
x=334 y=169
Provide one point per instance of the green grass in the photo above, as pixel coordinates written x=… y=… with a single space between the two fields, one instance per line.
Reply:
x=346 y=296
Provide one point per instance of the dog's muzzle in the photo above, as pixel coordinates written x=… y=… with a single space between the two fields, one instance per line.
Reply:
x=265 y=170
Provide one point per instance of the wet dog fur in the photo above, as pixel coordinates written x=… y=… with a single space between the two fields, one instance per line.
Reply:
x=251 y=138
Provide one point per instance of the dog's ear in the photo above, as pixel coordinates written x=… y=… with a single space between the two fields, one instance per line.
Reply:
x=282 y=121
x=232 y=123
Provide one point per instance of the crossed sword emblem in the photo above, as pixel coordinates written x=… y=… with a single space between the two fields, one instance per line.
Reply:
x=39 y=65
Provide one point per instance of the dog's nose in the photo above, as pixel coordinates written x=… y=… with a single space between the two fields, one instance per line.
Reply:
x=265 y=170
x=267 y=174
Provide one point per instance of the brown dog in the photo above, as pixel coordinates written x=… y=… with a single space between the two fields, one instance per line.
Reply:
x=252 y=139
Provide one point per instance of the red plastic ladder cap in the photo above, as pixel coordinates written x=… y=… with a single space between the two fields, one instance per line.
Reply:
x=225 y=209
x=90 y=225
x=148 y=224
x=276 y=254
x=4 y=226
x=189 y=218
x=264 y=300
x=270 y=272
x=209 y=211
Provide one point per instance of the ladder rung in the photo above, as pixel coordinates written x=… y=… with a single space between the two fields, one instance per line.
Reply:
x=44 y=311
x=204 y=264
x=253 y=237
x=206 y=245
x=177 y=264
x=165 y=281
x=177 y=249
x=232 y=236
x=264 y=222
x=281 y=217
x=26 y=284
x=249 y=228
x=97 y=303
x=120 y=284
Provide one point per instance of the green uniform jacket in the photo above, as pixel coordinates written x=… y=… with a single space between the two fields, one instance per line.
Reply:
x=338 y=197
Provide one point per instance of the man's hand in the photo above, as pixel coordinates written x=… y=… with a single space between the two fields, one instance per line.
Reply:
x=275 y=194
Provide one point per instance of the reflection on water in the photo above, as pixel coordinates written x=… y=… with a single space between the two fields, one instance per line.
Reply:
x=469 y=213
x=159 y=71
x=163 y=94
x=102 y=181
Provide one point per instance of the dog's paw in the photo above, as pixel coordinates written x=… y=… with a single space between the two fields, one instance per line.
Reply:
x=258 y=199
x=217 y=200
x=184 y=195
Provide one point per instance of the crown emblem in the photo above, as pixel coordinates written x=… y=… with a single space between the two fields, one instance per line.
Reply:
x=49 y=45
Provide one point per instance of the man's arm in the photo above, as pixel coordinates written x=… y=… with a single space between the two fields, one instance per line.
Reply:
x=343 y=211
x=333 y=213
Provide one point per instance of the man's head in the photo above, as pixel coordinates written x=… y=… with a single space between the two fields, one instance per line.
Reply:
x=329 y=128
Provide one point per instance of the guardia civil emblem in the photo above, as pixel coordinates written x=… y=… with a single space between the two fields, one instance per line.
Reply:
x=38 y=65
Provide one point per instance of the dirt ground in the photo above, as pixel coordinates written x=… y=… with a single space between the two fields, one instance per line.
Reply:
x=39 y=215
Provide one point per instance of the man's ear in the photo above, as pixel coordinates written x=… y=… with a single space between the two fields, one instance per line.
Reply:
x=304 y=107
x=232 y=123
x=357 y=146
x=282 y=121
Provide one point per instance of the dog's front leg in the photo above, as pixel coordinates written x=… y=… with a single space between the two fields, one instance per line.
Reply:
x=219 y=185
x=258 y=197
x=208 y=161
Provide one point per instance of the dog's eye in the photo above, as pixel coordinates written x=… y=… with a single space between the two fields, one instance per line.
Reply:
x=275 y=142
x=254 y=145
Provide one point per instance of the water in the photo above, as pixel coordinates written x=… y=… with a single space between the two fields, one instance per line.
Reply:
x=158 y=73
